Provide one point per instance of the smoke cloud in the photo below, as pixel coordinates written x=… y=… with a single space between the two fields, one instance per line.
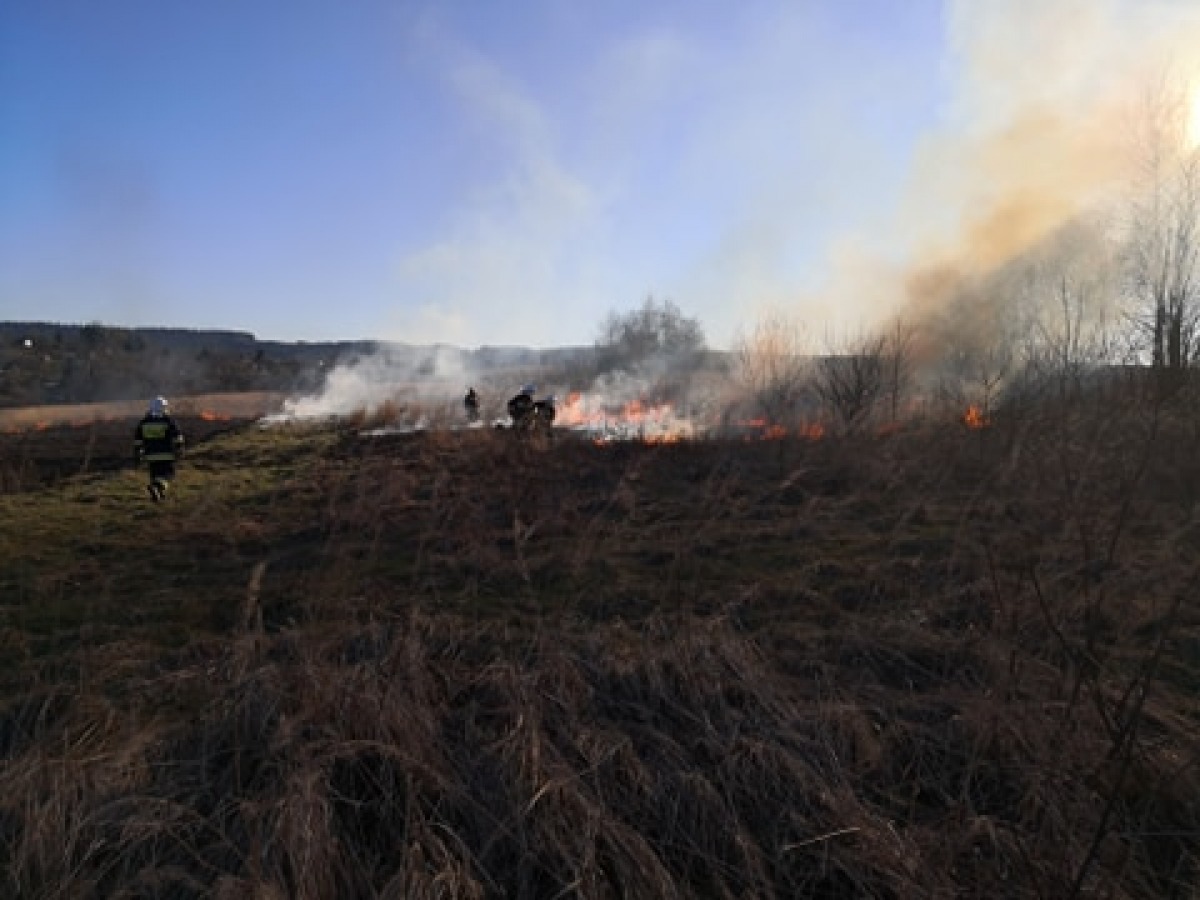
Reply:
x=1037 y=137
x=415 y=385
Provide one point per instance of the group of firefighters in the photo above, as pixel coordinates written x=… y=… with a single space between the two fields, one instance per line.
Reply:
x=524 y=413
x=158 y=441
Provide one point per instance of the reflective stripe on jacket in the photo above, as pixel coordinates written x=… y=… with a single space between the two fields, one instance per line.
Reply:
x=157 y=439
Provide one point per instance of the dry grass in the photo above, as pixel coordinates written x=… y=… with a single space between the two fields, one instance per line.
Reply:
x=233 y=405
x=944 y=663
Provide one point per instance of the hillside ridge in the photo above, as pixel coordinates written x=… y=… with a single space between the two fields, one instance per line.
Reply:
x=45 y=363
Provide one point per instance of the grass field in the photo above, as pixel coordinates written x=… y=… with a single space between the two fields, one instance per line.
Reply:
x=944 y=662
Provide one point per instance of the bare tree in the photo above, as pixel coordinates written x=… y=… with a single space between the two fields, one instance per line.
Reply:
x=773 y=367
x=975 y=378
x=655 y=347
x=1062 y=298
x=654 y=331
x=850 y=381
x=898 y=364
x=1164 y=230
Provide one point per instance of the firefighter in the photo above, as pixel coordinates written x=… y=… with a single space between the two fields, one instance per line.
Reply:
x=471 y=405
x=159 y=442
x=521 y=406
x=543 y=413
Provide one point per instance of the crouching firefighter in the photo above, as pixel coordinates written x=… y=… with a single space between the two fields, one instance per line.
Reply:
x=542 y=415
x=159 y=442
x=520 y=408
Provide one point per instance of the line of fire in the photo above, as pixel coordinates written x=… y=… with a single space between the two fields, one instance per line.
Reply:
x=658 y=413
x=650 y=377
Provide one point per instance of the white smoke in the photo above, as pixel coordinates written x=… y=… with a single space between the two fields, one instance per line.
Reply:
x=414 y=383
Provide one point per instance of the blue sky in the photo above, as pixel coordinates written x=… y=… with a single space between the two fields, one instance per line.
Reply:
x=467 y=171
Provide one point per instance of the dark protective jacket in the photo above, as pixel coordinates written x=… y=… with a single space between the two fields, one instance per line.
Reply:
x=157 y=439
x=520 y=406
x=544 y=411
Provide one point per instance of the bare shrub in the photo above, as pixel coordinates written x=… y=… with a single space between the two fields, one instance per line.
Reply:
x=1163 y=245
x=773 y=365
x=851 y=380
x=899 y=342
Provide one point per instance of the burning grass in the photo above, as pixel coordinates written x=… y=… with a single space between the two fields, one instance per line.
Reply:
x=948 y=662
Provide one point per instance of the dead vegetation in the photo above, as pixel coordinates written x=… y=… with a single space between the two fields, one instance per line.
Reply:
x=943 y=662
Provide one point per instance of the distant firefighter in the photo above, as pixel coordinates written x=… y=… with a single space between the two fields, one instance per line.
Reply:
x=520 y=407
x=471 y=405
x=159 y=442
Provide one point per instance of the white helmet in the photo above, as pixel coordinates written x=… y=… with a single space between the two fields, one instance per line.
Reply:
x=529 y=390
x=158 y=406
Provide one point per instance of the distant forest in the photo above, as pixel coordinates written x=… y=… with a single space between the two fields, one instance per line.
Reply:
x=47 y=363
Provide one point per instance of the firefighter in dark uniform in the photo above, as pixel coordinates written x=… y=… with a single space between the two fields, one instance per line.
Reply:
x=471 y=405
x=159 y=442
x=520 y=408
x=543 y=414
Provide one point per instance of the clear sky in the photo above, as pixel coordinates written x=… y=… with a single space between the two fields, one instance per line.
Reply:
x=465 y=171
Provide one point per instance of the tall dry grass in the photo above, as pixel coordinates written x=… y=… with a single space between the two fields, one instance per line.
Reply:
x=940 y=663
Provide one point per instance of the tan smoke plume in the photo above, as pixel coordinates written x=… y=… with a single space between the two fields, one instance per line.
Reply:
x=1038 y=134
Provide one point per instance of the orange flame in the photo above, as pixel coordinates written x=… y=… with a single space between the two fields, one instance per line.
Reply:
x=974 y=417
x=210 y=416
x=19 y=427
x=635 y=420
x=772 y=431
x=666 y=437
